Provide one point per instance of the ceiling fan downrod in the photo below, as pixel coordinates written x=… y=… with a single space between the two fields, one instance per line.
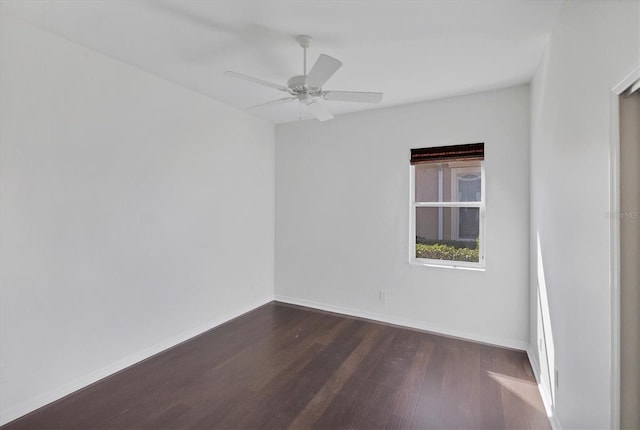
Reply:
x=305 y=42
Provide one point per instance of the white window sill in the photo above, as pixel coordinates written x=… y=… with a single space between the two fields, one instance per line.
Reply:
x=435 y=263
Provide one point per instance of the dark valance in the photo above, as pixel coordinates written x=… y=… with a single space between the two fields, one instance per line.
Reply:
x=471 y=151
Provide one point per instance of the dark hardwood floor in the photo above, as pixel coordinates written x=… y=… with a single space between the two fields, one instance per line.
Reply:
x=283 y=366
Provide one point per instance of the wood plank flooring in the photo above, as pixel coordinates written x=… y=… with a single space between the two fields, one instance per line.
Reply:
x=283 y=366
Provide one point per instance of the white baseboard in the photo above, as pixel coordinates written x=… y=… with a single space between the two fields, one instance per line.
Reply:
x=507 y=343
x=544 y=393
x=53 y=395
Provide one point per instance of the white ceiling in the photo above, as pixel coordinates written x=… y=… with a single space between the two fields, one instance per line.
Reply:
x=411 y=50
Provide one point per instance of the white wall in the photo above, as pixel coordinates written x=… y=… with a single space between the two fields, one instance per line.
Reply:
x=135 y=214
x=342 y=213
x=594 y=45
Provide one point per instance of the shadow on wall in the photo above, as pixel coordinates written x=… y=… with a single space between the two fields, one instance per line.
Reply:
x=546 y=348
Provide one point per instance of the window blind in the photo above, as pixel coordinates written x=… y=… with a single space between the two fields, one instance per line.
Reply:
x=470 y=151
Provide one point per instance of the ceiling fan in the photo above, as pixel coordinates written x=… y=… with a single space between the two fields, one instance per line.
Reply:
x=307 y=88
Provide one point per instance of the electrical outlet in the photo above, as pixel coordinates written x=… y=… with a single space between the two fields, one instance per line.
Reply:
x=383 y=296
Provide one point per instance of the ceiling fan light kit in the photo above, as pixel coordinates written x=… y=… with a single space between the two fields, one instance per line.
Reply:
x=307 y=88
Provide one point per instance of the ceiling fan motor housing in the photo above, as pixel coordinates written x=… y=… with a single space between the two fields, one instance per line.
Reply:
x=298 y=86
x=297 y=83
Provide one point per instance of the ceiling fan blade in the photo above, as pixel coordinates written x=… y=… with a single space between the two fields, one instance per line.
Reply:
x=273 y=102
x=324 y=68
x=353 y=96
x=320 y=111
x=255 y=80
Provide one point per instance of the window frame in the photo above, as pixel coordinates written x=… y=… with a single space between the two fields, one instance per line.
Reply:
x=413 y=205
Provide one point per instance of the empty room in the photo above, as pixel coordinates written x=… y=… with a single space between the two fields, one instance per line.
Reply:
x=331 y=214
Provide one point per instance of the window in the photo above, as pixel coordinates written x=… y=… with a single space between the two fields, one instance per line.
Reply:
x=447 y=206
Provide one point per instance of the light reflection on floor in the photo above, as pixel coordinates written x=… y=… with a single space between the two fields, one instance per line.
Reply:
x=525 y=390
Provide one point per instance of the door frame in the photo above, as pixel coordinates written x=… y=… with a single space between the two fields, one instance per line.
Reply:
x=614 y=226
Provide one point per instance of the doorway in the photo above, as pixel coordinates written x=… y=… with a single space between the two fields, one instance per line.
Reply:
x=629 y=251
